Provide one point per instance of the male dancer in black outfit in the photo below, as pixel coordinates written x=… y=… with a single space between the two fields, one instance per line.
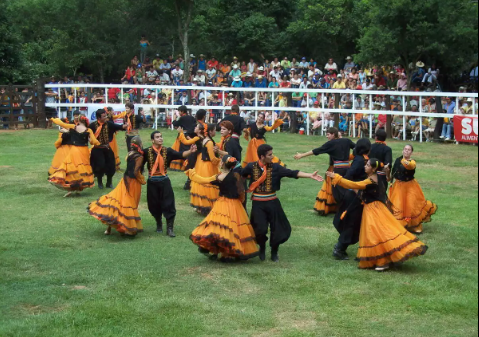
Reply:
x=267 y=210
x=161 y=198
x=188 y=124
x=102 y=158
x=384 y=154
x=239 y=125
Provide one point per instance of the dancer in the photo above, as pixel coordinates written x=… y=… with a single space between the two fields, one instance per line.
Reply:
x=239 y=125
x=188 y=124
x=267 y=210
x=406 y=194
x=161 y=198
x=119 y=208
x=74 y=173
x=203 y=197
x=384 y=154
x=339 y=151
x=227 y=229
x=383 y=240
x=63 y=146
x=132 y=122
x=114 y=142
x=348 y=219
x=102 y=156
x=257 y=130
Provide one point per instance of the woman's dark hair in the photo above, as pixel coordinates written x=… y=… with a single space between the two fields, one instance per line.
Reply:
x=130 y=105
x=381 y=135
x=363 y=147
x=333 y=131
x=154 y=133
x=201 y=114
x=263 y=150
x=211 y=128
x=376 y=164
x=235 y=109
x=230 y=162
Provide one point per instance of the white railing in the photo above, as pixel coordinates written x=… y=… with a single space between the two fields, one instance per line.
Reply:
x=171 y=99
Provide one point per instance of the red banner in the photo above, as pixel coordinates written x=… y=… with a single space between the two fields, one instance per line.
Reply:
x=465 y=129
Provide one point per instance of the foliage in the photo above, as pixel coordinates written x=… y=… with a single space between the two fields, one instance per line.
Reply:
x=99 y=37
x=406 y=31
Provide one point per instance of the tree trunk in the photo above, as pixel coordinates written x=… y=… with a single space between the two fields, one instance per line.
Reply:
x=337 y=99
x=440 y=121
x=389 y=129
x=186 y=49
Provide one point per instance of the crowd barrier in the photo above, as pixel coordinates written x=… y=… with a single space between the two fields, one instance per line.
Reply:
x=170 y=102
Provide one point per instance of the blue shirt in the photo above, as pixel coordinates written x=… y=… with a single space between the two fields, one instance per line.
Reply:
x=450 y=108
x=237 y=84
x=262 y=84
x=248 y=84
x=202 y=65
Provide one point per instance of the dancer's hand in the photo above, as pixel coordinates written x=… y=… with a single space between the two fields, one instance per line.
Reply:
x=317 y=177
x=331 y=175
x=180 y=129
x=193 y=149
x=298 y=156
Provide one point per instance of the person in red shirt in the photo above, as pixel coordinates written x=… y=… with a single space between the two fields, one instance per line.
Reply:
x=213 y=63
x=382 y=120
x=113 y=95
x=380 y=81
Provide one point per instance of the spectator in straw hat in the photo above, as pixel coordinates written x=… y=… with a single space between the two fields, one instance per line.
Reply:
x=418 y=76
x=348 y=67
x=202 y=63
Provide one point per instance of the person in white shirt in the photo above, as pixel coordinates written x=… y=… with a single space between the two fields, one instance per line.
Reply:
x=331 y=65
x=295 y=81
x=201 y=78
x=165 y=66
x=252 y=66
x=211 y=74
x=368 y=85
x=164 y=77
x=432 y=75
x=177 y=74
x=305 y=83
x=275 y=63
x=304 y=64
x=276 y=74
x=247 y=116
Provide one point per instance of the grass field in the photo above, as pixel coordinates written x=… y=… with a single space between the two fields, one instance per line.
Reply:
x=60 y=276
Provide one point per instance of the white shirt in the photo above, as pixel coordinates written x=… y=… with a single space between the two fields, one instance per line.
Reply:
x=177 y=73
x=368 y=86
x=304 y=85
x=251 y=67
x=329 y=67
x=211 y=72
x=277 y=75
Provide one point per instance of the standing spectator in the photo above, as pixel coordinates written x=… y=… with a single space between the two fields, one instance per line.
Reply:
x=450 y=107
x=202 y=63
x=348 y=67
x=331 y=65
x=144 y=44
x=177 y=75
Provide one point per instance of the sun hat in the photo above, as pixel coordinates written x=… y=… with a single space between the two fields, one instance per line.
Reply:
x=235 y=67
x=237 y=79
x=340 y=76
x=192 y=56
x=420 y=64
x=249 y=75
x=260 y=77
x=261 y=68
x=470 y=100
x=349 y=58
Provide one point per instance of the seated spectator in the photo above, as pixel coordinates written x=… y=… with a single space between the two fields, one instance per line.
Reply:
x=368 y=85
x=340 y=84
x=349 y=66
x=285 y=83
x=211 y=73
x=419 y=74
x=331 y=66
x=261 y=82
x=362 y=77
x=402 y=82
x=213 y=63
x=274 y=83
x=248 y=83
x=249 y=99
x=343 y=123
x=177 y=75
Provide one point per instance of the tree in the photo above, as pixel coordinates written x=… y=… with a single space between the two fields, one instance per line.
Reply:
x=10 y=51
x=184 y=16
x=407 y=31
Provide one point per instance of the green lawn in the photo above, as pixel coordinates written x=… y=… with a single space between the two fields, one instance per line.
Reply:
x=60 y=276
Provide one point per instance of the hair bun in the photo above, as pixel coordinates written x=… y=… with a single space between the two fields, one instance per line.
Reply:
x=232 y=160
x=381 y=165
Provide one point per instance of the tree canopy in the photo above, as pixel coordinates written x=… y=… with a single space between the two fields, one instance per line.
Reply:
x=98 y=37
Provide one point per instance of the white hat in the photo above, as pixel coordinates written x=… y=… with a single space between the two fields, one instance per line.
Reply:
x=349 y=58
x=420 y=64
x=196 y=79
x=192 y=56
x=340 y=76
x=200 y=71
x=261 y=68
x=235 y=66
x=237 y=79
x=249 y=74
x=470 y=100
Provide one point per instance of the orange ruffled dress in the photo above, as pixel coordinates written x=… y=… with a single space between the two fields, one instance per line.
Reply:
x=383 y=239
x=74 y=173
x=407 y=196
x=325 y=202
x=177 y=165
x=116 y=151
x=63 y=149
x=119 y=209
x=227 y=229
x=204 y=196
x=258 y=139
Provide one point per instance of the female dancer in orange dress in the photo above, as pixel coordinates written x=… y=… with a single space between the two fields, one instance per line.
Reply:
x=257 y=130
x=383 y=240
x=74 y=173
x=63 y=146
x=203 y=197
x=407 y=196
x=119 y=209
x=227 y=229
x=114 y=142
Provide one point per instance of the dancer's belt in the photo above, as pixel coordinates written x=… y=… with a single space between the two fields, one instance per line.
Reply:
x=342 y=165
x=158 y=179
x=235 y=135
x=381 y=173
x=264 y=197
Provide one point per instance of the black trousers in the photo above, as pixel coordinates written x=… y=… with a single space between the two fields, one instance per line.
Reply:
x=265 y=214
x=349 y=227
x=161 y=199
x=102 y=161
